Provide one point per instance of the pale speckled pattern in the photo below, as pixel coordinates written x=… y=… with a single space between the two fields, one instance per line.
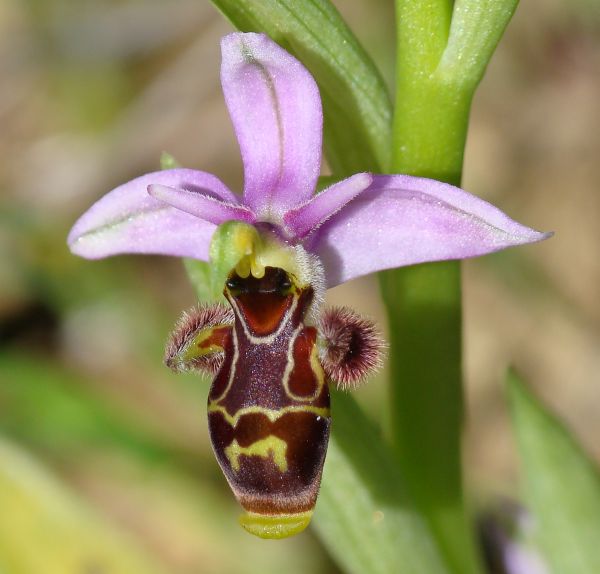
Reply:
x=360 y=225
x=275 y=108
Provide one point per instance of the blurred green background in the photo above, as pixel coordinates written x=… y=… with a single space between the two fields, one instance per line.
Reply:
x=105 y=464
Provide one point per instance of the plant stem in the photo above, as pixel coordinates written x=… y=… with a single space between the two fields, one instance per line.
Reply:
x=424 y=301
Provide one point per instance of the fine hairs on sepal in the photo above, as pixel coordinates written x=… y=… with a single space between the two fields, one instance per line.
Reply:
x=352 y=348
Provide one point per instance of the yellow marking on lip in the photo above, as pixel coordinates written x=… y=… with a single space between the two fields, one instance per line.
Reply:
x=196 y=349
x=271 y=414
x=263 y=448
x=275 y=525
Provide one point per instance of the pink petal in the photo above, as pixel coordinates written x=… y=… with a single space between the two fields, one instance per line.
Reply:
x=200 y=205
x=306 y=218
x=276 y=113
x=402 y=220
x=128 y=220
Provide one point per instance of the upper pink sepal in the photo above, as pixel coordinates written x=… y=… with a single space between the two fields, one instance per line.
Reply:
x=275 y=108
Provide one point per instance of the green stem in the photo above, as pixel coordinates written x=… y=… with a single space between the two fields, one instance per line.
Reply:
x=424 y=302
x=426 y=402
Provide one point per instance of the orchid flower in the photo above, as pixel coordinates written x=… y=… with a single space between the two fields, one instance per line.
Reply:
x=282 y=245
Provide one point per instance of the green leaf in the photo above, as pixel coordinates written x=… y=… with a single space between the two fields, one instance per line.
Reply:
x=357 y=108
x=72 y=418
x=44 y=528
x=364 y=515
x=561 y=486
x=442 y=53
x=430 y=118
x=476 y=29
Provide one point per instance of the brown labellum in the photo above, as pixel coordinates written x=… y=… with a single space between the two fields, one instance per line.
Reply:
x=268 y=406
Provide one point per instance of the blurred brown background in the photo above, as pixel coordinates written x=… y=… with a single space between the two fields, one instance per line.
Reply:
x=91 y=93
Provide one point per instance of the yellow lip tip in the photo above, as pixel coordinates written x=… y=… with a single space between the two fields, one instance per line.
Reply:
x=275 y=526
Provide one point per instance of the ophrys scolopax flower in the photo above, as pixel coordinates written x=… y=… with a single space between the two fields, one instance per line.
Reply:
x=273 y=351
